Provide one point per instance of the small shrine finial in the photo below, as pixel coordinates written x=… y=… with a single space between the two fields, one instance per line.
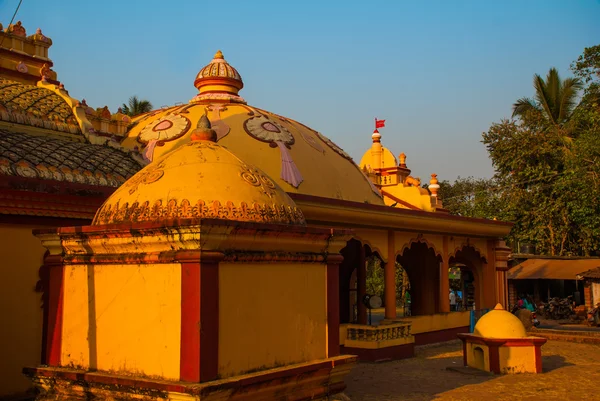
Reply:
x=219 y=55
x=434 y=185
x=402 y=158
x=203 y=131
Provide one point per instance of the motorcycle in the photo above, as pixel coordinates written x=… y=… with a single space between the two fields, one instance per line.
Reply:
x=594 y=316
x=534 y=321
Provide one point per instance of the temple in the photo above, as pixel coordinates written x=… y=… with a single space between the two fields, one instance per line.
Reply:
x=212 y=249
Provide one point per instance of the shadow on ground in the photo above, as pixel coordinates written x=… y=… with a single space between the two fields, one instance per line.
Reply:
x=570 y=370
x=419 y=378
x=551 y=362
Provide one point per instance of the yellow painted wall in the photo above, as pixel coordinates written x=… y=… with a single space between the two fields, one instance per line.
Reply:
x=517 y=359
x=471 y=356
x=416 y=196
x=21 y=255
x=270 y=315
x=376 y=239
x=439 y=321
x=137 y=315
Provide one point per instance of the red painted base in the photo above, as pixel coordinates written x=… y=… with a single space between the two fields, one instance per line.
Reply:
x=439 y=336
x=380 y=354
x=307 y=381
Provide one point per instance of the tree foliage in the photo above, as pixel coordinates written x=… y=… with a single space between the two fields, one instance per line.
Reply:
x=136 y=106
x=547 y=165
x=554 y=98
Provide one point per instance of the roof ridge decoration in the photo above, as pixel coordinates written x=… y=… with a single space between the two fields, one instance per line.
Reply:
x=218 y=82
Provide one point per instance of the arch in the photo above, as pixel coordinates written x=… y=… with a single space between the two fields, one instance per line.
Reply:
x=419 y=239
x=422 y=265
x=470 y=259
x=369 y=247
x=347 y=303
x=478 y=358
x=467 y=244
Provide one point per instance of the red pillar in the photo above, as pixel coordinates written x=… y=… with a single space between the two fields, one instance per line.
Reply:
x=390 y=278
x=53 y=339
x=361 y=278
x=199 y=317
x=333 y=305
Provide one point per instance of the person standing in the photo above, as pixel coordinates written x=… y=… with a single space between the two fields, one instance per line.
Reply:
x=452 y=301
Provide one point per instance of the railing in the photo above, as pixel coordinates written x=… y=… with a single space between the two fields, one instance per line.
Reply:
x=394 y=331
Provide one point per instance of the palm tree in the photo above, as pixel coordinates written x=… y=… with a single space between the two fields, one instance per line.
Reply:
x=554 y=99
x=136 y=106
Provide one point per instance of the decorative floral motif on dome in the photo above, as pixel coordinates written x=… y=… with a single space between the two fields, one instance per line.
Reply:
x=333 y=146
x=151 y=174
x=54 y=159
x=38 y=107
x=217 y=124
x=262 y=128
x=253 y=177
x=22 y=68
x=165 y=129
x=262 y=213
x=312 y=142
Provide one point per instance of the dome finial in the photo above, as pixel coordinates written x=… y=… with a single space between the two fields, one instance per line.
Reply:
x=218 y=82
x=203 y=131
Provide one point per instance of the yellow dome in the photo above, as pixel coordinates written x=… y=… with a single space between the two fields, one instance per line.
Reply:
x=297 y=158
x=499 y=323
x=201 y=179
x=387 y=159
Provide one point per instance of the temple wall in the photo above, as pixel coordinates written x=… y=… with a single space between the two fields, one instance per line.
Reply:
x=21 y=255
x=137 y=315
x=270 y=315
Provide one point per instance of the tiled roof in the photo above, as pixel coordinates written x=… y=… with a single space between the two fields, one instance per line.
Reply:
x=592 y=273
x=38 y=107
x=55 y=159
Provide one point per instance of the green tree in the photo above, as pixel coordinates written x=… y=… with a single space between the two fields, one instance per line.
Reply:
x=548 y=186
x=554 y=99
x=471 y=197
x=136 y=106
x=587 y=66
x=375 y=279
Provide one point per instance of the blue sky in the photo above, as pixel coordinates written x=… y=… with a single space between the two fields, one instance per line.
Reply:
x=439 y=72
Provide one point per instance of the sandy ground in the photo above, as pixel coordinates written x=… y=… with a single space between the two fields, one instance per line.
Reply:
x=570 y=372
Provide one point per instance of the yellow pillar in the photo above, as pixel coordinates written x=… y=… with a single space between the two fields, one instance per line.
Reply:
x=390 y=278
x=444 y=305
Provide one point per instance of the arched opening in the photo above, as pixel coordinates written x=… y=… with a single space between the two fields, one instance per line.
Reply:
x=478 y=358
x=375 y=275
x=349 y=282
x=469 y=264
x=422 y=267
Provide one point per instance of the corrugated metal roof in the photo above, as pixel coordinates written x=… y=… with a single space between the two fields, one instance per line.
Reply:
x=560 y=269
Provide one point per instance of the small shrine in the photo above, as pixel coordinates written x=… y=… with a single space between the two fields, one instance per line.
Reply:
x=500 y=344
x=181 y=289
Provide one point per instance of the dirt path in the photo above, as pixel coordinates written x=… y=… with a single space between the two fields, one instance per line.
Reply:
x=571 y=372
